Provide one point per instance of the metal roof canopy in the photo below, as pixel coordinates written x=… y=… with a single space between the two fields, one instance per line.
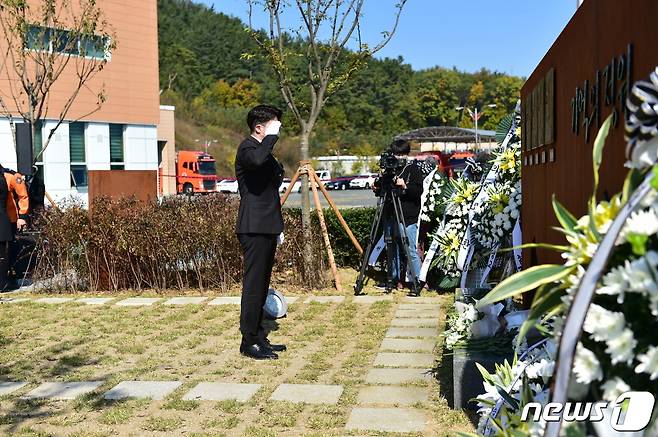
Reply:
x=447 y=134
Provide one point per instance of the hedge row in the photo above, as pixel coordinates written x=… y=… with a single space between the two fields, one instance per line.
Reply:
x=177 y=244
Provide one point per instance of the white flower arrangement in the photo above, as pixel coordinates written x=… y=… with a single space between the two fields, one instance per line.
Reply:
x=495 y=218
x=616 y=353
x=459 y=203
x=508 y=162
x=617 y=350
x=459 y=324
x=449 y=236
x=436 y=194
x=530 y=373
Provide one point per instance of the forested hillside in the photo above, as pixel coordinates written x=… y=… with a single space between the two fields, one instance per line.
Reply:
x=203 y=73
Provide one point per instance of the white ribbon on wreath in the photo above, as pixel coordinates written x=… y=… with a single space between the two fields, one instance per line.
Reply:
x=467 y=248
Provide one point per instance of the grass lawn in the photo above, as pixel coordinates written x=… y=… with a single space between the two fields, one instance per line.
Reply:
x=332 y=343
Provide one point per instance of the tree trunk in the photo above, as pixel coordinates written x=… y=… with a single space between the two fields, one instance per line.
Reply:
x=306 y=212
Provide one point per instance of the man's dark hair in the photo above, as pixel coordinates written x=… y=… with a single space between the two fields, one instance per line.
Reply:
x=261 y=114
x=400 y=147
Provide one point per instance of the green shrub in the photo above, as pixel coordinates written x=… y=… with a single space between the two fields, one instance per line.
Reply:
x=360 y=222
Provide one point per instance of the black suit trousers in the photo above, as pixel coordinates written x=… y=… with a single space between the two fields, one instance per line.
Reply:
x=258 y=251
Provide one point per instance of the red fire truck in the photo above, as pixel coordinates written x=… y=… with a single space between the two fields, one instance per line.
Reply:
x=195 y=173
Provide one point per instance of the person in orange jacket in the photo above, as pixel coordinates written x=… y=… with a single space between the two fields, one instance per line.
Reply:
x=18 y=201
x=14 y=210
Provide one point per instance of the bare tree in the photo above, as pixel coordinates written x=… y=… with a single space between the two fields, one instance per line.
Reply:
x=329 y=29
x=44 y=41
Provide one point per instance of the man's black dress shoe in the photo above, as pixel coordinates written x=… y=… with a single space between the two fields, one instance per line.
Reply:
x=275 y=347
x=258 y=352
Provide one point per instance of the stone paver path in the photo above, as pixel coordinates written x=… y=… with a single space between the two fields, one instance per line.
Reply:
x=416 y=313
x=371 y=299
x=397 y=376
x=226 y=300
x=399 y=332
x=405 y=356
x=408 y=344
x=155 y=390
x=217 y=391
x=198 y=300
x=54 y=300
x=62 y=390
x=393 y=395
x=325 y=299
x=387 y=420
x=420 y=306
x=186 y=300
x=138 y=301
x=95 y=300
x=388 y=359
x=13 y=299
x=384 y=403
x=308 y=393
x=10 y=387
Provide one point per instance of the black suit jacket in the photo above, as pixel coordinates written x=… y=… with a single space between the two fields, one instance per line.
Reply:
x=259 y=177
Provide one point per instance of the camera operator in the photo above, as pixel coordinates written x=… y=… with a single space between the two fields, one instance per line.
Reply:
x=409 y=182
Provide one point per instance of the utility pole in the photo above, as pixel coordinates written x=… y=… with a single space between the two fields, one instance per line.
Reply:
x=206 y=143
x=475 y=114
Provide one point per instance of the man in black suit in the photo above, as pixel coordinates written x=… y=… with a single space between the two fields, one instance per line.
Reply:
x=259 y=225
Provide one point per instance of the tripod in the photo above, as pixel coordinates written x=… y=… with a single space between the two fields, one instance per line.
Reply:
x=389 y=213
x=315 y=183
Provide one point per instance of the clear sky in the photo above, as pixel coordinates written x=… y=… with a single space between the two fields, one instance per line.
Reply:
x=510 y=36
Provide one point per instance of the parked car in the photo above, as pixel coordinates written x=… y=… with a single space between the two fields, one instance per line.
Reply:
x=342 y=183
x=228 y=186
x=363 y=181
x=323 y=175
x=286 y=183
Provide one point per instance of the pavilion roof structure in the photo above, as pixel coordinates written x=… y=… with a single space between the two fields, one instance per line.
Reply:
x=447 y=134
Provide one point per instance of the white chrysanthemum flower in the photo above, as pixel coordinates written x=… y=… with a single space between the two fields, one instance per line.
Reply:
x=586 y=366
x=613 y=388
x=541 y=369
x=648 y=363
x=614 y=283
x=603 y=324
x=639 y=276
x=621 y=347
x=644 y=222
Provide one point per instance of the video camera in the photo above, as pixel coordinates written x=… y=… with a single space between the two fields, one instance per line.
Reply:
x=390 y=166
x=389 y=215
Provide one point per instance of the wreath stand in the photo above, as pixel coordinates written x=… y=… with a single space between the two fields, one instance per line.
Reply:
x=314 y=181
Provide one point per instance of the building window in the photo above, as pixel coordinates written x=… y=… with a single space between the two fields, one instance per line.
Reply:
x=78 y=155
x=79 y=176
x=116 y=147
x=67 y=42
